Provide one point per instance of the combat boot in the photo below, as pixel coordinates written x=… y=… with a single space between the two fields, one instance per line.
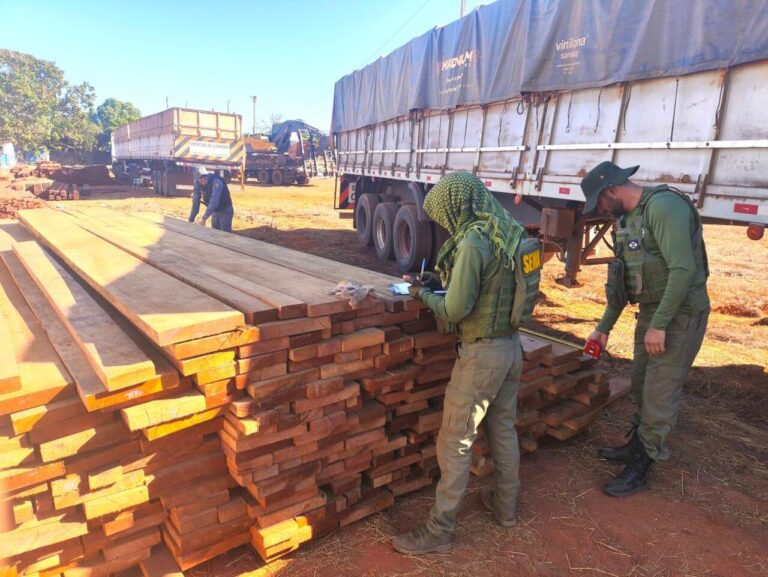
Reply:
x=624 y=454
x=487 y=498
x=420 y=541
x=633 y=478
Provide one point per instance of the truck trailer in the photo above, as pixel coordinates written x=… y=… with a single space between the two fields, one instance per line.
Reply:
x=169 y=146
x=530 y=95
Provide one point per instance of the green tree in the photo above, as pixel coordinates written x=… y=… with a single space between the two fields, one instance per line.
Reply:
x=38 y=108
x=112 y=114
x=73 y=127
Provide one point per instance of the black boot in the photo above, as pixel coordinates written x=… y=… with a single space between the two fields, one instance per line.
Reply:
x=625 y=453
x=633 y=478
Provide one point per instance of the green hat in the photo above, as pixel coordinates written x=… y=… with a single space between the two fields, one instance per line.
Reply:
x=603 y=176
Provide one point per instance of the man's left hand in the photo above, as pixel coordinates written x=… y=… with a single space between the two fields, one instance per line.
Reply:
x=654 y=342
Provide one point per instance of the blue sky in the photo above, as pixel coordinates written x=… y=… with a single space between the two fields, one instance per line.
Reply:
x=205 y=55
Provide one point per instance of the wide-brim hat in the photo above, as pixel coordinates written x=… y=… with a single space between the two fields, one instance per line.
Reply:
x=603 y=176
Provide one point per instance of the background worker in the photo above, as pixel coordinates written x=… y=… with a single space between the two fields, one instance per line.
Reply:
x=662 y=266
x=475 y=266
x=213 y=192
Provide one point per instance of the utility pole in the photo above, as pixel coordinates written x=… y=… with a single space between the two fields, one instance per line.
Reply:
x=463 y=8
x=253 y=129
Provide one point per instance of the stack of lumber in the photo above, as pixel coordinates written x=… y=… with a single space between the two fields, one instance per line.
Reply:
x=46 y=168
x=58 y=191
x=94 y=174
x=170 y=392
x=12 y=202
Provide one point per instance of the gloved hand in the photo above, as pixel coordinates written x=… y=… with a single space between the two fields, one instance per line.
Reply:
x=431 y=281
x=428 y=279
x=416 y=291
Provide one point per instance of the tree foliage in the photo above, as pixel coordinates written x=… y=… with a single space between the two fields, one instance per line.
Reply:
x=112 y=114
x=39 y=108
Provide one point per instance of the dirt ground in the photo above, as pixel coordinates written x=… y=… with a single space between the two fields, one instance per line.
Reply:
x=707 y=511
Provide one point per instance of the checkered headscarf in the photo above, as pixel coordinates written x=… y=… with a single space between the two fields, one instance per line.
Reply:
x=460 y=202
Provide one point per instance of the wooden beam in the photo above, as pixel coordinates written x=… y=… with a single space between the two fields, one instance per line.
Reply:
x=115 y=357
x=165 y=309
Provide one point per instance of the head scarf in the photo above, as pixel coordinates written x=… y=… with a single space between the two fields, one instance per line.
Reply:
x=460 y=202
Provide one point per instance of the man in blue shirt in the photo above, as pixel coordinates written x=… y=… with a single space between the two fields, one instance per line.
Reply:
x=213 y=192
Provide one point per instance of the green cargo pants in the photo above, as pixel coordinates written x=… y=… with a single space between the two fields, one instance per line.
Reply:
x=484 y=383
x=657 y=382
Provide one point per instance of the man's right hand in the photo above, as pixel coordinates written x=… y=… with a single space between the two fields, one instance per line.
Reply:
x=601 y=338
x=428 y=279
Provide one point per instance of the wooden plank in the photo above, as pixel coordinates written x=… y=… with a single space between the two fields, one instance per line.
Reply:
x=10 y=378
x=183 y=265
x=160 y=564
x=43 y=376
x=46 y=415
x=276 y=329
x=115 y=357
x=170 y=427
x=29 y=537
x=292 y=292
x=319 y=267
x=154 y=412
x=241 y=337
x=139 y=291
x=89 y=387
x=93 y=438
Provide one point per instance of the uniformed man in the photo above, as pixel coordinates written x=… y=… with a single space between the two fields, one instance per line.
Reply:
x=476 y=267
x=661 y=264
x=213 y=192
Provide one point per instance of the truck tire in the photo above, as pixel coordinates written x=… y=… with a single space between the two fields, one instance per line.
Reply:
x=364 y=209
x=263 y=176
x=412 y=239
x=301 y=179
x=289 y=178
x=383 y=225
x=277 y=177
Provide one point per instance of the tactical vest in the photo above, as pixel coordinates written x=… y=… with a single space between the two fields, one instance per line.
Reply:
x=226 y=200
x=645 y=272
x=495 y=313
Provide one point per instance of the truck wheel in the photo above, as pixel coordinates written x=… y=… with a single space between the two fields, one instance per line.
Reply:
x=277 y=177
x=364 y=209
x=263 y=176
x=301 y=179
x=383 y=224
x=289 y=178
x=412 y=239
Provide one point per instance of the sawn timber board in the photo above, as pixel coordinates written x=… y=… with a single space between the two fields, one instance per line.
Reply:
x=161 y=306
x=271 y=282
x=115 y=357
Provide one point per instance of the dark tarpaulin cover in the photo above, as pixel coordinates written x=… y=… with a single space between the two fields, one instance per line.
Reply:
x=520 y=46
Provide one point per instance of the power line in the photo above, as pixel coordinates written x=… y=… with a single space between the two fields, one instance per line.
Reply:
x=378 y=50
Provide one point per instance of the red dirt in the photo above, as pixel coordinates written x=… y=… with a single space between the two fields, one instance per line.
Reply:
x=707 y=511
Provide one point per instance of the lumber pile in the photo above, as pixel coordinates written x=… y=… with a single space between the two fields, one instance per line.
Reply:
x=94 y=174
x=11 y=203
x=170 y=392
x=46 y=168
x=57 y=191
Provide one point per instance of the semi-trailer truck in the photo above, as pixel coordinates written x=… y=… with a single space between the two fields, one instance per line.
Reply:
x=530 y=95
x=171 y=145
